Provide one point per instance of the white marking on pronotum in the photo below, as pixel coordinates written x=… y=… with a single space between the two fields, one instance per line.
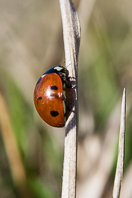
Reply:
x=42 y=75
x=58 y=68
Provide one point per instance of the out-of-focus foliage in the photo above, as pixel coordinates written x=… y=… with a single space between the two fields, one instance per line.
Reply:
x=31 y=42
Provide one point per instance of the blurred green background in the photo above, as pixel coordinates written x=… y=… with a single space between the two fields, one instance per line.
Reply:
x=31 y=41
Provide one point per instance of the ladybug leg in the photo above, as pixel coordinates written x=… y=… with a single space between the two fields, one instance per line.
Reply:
x=69 y=83
x=66 y=79
x=64 y=75
x=64 y=87
x=64 y=98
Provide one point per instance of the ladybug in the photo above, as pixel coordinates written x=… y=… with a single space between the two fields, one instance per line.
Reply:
x=48 y=96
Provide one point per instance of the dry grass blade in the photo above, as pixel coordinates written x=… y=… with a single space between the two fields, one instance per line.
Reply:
x=120 y=162
x=71 y=34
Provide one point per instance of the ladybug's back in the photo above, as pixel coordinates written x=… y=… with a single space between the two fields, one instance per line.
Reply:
x=48 y=99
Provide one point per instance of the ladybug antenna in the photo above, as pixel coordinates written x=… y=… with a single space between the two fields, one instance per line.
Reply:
x=68 y=65
x=63 y=64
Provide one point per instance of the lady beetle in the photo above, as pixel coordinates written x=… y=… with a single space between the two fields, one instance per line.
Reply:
x=48 y=96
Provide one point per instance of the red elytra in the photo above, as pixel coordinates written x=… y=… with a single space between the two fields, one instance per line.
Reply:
x=48 y=96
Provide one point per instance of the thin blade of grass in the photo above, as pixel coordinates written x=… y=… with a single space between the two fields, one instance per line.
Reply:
x=121 y=150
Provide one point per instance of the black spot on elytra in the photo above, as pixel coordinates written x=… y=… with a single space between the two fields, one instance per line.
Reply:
x=39 y=80
x=54 y=87
x=40 y=98
x=54 y=113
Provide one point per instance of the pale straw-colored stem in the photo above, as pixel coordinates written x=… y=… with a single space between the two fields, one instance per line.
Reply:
x=71 y=35
x=121 y=150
